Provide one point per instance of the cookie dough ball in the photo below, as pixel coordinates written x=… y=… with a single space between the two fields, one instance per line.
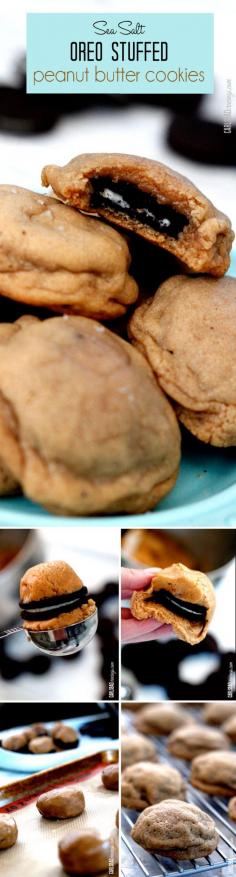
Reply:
x=161 y=719
x=215 y=773
x=232 y=809
x=194 y=740
x=136 y=747
x=188 y=334
x=145 y=783
x=56 y=727
x=38 y=729
x=8 y=831
x=106 y=441
x=229 y=728
x=84 y=852
x=110 y=777
x=218 y=712
x=61 y=803
x=150 y=199
x=178 y=596
x=176 y=829
x=53 y=257
x=41 y=745
x=16 y=742
x=66 y=737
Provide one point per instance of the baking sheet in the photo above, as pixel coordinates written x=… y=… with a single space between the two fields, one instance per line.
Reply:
x=35 y=853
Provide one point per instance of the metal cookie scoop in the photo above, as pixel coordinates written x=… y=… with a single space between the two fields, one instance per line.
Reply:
x=61 y=640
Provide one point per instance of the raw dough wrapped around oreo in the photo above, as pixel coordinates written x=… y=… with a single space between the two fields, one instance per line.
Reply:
x=188 y=334
x=52 y=596
x=53 y=257
x=8 y=831
x=84 y=427
x=178 y=596
x=61 y=803
x=154 y=201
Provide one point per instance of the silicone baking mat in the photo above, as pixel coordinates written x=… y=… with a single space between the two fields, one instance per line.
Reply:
x=35 y=853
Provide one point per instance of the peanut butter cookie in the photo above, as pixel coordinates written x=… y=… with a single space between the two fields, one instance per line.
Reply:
x=84 y=427
x=188 y=334
x=53 y=257
x=194 y=740
x=215 y=773
x=145 y=783
x=176 y=829
x=178 y=596
x=136 y=747
x=147 y=197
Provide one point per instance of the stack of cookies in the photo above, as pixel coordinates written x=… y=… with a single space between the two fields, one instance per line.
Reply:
x=89 y=419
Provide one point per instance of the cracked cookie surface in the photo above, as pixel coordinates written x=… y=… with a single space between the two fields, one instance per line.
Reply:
x=161 y=718
x=194 y=740
x=144 y=783
x=136 y=747
x=176 y=829
x=51 y=256
x=188 y=334
x=84 y=427
x=215 y=773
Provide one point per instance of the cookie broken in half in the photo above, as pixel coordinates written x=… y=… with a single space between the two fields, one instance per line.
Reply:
x=178 y=596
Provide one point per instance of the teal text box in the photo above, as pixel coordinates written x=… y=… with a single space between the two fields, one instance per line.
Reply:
x=120 y=53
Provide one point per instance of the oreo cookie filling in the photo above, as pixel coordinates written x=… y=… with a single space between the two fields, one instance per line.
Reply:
x=190 y=611
x=51 y=607
x=126 y=198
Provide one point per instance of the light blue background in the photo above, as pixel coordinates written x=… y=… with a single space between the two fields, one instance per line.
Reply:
x=190 y=38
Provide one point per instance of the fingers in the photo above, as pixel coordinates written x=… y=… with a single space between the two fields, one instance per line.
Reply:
x=133 y=631
x=135 y=580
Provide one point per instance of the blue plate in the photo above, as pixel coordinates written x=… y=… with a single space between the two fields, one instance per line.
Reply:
x=26 y=762
x=205 y=493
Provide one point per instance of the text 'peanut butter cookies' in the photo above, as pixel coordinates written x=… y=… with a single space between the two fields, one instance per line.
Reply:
x=84 y=427
x=176 y=829
x=144 y=783
x=53 y=596
x=188 y=334
x=178 y=596
x=147 y=197
x=53 y=257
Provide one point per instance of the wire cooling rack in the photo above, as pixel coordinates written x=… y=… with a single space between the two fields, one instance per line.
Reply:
x=136 y=862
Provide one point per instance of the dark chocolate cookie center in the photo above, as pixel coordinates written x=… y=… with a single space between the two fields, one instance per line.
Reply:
x=191 y=611
x=128 y=199
x=51 y=607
